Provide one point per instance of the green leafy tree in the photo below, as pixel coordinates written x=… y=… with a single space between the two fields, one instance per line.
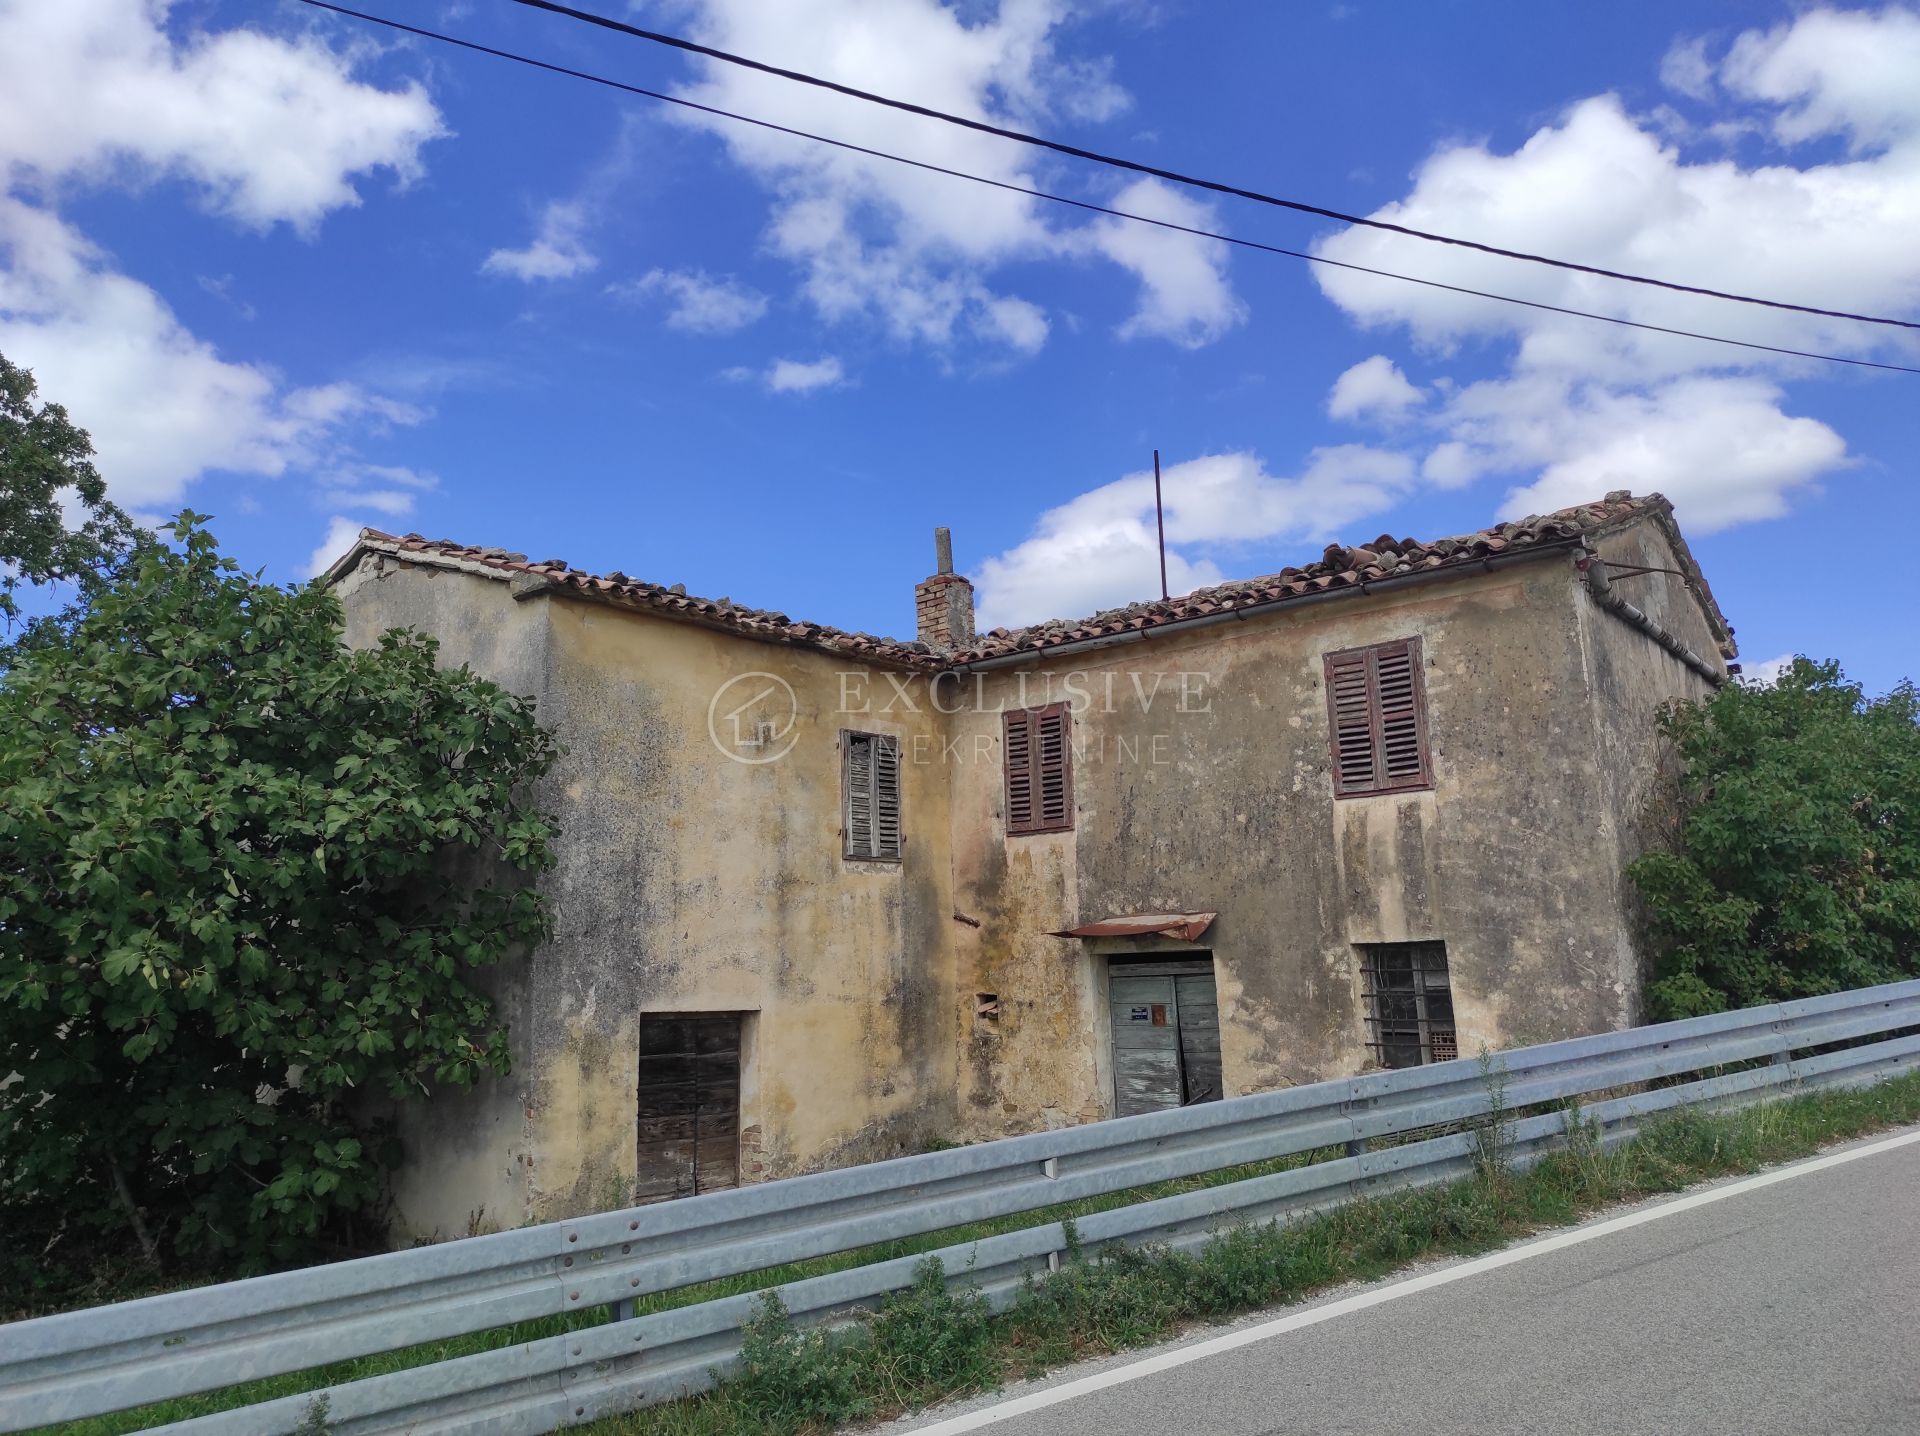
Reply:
x=247 y=878
x=1798 y=866
x=46 y=466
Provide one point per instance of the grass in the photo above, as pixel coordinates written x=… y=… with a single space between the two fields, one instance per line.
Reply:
x=928 y=1344
x=380 y=1364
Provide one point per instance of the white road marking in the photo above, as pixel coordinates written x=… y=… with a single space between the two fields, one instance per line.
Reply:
x=1559 y=1241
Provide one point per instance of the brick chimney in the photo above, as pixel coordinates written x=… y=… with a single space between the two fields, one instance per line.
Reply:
x=943 y=604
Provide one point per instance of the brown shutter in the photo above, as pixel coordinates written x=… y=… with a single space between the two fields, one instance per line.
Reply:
x=1376 y=707
x=859 y=795
x=1055 y=755
x=1403 y=757
x=1017 y=755
x=1350 y=704
x=1039 y=763
x=886 y=798
x=871 y=789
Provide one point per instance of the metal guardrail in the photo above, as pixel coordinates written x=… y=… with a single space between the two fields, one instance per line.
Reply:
x=112 y=1358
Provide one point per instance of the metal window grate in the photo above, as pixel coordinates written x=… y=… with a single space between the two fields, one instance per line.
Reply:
x=1409 y=1003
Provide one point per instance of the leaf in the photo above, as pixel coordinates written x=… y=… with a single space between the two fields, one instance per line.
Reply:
x=225 y=877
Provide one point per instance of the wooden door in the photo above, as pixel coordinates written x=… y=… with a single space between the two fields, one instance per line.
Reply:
x=1199 y=1037
x=689 y=1105
x=1166 y=1034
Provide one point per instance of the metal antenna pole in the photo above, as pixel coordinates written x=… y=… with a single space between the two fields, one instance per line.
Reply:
x=1160 y=519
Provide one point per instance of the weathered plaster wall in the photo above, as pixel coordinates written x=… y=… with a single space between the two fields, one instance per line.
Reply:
x=467 y=1152
x=1230 y=809
x=689 y=882
x=1629 y=678
x=686 y=882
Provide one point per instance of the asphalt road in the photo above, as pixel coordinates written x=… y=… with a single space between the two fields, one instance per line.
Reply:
x=1789 y=1308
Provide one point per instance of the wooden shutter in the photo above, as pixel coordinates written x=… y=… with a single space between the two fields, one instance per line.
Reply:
x=1038 y=753
x=1350 y=706
x=1376 y=709
x=871 y=797
x=1017 y=757
x=1403 y=758
x=886 y=798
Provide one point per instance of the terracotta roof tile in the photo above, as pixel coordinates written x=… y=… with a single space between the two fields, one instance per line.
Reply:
x=1339 y=566
x=673 y=600
x=1343 y=566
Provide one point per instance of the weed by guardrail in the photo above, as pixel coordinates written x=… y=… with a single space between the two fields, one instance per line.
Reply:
x=928 y=1344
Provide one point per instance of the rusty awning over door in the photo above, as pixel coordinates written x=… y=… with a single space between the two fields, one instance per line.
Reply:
x=1187 y=926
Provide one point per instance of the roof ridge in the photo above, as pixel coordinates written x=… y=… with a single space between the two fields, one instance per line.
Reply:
x=1348 y=566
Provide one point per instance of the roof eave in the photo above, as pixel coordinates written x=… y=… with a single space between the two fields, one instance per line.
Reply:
x=373 y=541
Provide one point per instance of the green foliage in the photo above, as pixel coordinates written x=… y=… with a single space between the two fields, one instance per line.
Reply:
x=1798 y=868
x=45 y=460
x=793 y=1378
x=315 y=1422
x=246 y=877
x=930 y=1341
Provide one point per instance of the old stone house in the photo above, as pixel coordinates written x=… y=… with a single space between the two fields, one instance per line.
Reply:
x=824 y=897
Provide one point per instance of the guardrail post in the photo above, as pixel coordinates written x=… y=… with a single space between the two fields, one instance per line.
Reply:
x=1351 y=1108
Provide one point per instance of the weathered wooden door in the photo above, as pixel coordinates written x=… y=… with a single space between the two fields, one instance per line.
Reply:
x=1166 y=1034
x=689 y=1105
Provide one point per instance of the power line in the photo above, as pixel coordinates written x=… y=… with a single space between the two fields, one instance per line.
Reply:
x=1081 y=204
x=1192 y=181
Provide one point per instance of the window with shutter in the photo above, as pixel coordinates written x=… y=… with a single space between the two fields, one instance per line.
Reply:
x=1377 y=712
x=1038 y=753
x=870 y=797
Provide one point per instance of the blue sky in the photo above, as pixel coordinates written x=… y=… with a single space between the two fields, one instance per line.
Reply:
x=304 y=276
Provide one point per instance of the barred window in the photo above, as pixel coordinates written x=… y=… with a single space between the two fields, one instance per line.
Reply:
x=1409 y=1003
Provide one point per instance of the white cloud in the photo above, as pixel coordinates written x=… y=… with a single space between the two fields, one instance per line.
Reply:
x=162 y=405
x=913 y=251
x=349 y=490
x=341 y=535
x=1586 y=407
x=1018 y=322
x=396 y=503
x=268 y=128
x=1721 y=446
x=1765 y=675
x=791 y=376
x=696 y=302
x=1184 y=294
x=557 y=251
x=1373 y=388
x=1850 y=73
x=1686 y=69
x=1100 y=549
x=1722 y=449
